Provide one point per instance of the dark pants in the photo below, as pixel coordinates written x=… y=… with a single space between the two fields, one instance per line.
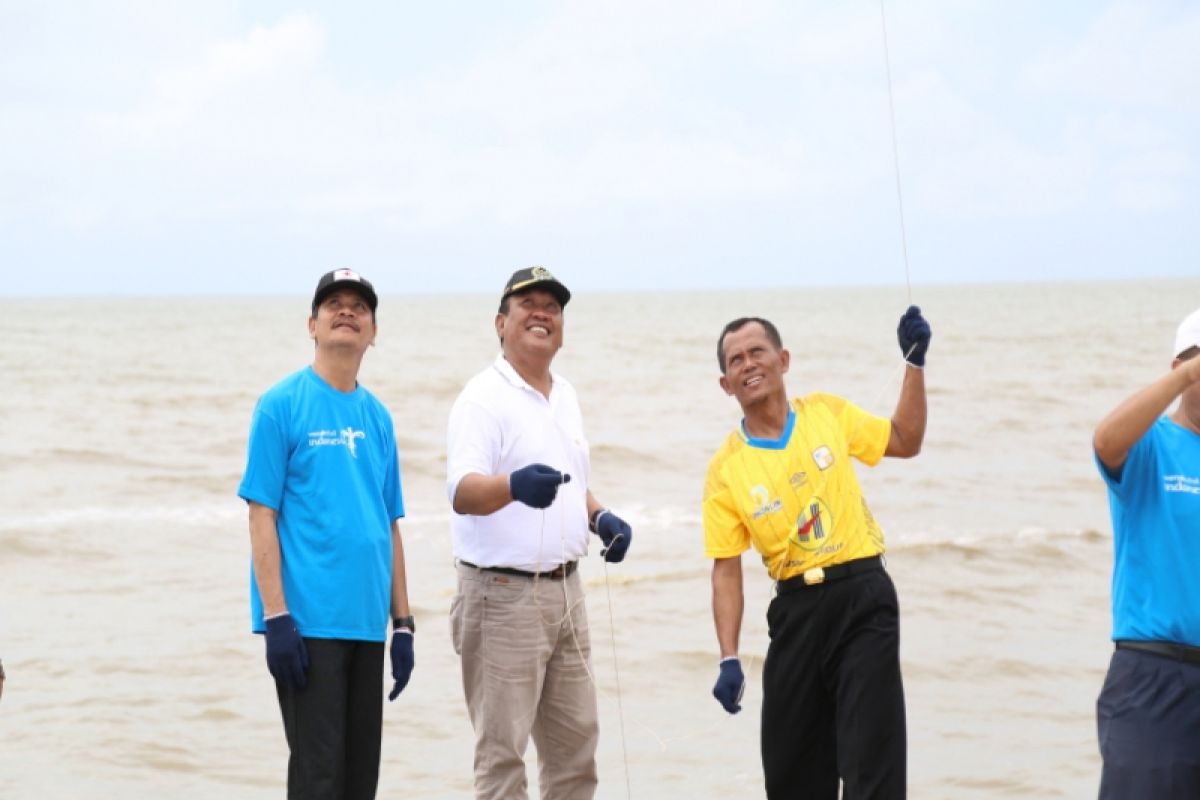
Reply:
x=1148 y=718
x=833 y=699
x=334 y=724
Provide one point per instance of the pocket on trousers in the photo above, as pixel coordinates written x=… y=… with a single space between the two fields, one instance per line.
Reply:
x=503 y=589
x=773 y=613
x=506 y=603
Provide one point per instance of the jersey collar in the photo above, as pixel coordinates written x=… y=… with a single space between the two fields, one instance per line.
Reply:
x=770 y=444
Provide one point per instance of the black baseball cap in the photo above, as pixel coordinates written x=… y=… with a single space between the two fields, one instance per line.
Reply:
x=536 y=278
x=344 y=278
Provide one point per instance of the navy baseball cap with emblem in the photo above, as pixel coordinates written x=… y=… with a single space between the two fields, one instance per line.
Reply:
x=536 y=278
x=344 y=279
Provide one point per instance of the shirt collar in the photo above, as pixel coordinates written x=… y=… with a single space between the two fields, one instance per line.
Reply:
x=512 y=376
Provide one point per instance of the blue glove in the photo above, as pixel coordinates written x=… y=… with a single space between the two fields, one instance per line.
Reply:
x=615 y=533
x=730 y=685
x=536 y=485
x=287 y=657
x=402 y=660
x=914 y=335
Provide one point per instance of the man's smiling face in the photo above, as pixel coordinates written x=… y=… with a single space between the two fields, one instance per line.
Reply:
x=532 y=326
x=754 y=366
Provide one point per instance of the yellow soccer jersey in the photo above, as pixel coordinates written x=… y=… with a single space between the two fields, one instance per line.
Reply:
x=797 y=499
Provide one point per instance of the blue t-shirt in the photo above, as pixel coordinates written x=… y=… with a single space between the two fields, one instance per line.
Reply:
x=326 y=462
x=1155 y=504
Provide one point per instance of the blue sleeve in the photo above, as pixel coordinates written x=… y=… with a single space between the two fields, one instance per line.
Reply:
x=266 y=461
x=1139 y=455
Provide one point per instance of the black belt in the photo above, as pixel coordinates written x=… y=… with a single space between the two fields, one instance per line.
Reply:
x=819 y=575
x=1179 y=652
x=559 y=572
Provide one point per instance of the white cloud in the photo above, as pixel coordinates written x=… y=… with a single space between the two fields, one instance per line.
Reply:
x=769 y=117
x=557 y=123
x=234 y=75
x=1133 y=54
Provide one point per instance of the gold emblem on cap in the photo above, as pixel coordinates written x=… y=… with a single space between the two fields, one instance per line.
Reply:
x=541 y=274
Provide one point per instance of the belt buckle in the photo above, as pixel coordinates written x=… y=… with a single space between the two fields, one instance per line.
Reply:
x=814 y=576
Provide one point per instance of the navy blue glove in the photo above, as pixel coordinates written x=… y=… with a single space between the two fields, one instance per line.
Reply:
x=402 y=660
x=536 y=485
x=730 y=685
x=914 y=336
x=287 y=657
x=615 y=533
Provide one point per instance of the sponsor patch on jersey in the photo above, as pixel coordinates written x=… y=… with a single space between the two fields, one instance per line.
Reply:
x=762 y=503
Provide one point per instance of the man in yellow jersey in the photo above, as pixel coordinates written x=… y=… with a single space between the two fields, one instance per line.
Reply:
x=833 y=699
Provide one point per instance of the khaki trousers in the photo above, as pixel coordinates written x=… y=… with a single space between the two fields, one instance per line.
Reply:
x=525 y=663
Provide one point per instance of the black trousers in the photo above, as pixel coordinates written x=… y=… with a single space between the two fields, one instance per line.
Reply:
x=334 y=724
x=1148 y=720
x=833 y=699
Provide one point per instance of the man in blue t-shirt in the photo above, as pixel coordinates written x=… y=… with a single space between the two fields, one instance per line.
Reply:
x=1147 y=715
x=323 y=485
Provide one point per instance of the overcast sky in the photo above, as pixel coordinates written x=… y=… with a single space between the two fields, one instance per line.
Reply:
x=229 y=147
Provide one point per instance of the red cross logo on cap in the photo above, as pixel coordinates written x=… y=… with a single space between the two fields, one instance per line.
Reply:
x=346 y=275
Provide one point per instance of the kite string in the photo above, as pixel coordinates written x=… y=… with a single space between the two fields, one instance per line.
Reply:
x=887 y=62
x=612 y=630
x=568 y=617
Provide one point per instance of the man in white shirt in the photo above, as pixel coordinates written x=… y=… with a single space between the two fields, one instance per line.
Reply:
x=517 y=478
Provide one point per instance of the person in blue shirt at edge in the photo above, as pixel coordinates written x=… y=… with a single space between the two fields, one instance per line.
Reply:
x=323 y=485
x=833 y=698
x=518 y=474
x=1148 y=712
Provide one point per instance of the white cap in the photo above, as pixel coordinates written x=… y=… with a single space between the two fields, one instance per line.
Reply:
x=1188 y=335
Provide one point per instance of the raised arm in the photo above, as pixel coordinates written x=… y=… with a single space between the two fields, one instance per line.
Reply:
x=1120 y=430
x=908 y=421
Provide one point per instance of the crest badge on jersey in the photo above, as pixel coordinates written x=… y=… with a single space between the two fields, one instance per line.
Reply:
x=824 y=457
x=813 y=525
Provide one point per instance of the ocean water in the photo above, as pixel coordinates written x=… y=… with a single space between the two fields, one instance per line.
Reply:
x=124 y=550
